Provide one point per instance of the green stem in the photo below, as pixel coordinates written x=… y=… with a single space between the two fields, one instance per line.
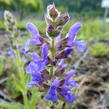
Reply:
x=52 y=56
x=53 y=49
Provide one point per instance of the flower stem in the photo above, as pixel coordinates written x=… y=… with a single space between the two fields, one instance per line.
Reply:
x=21 y=72
x=52 y=56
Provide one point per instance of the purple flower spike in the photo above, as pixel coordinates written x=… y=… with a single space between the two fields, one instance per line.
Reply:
x=35 y=33
x=52 y=93
x=73 y=31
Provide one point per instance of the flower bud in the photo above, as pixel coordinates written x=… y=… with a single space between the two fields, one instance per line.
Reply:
x=50 y=29
x=61 y=20
x=9 y=17
x=52 y=32
x=58 y=30
x=52 y=11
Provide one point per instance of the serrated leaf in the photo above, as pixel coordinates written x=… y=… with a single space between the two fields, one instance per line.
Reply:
x=11 y=105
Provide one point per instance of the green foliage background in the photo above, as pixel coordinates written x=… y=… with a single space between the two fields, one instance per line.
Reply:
x=75 y=7
x=82 y=7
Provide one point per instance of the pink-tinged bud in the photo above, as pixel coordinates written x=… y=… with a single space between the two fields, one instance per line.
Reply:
x=58 y=30
x=52 y=11
x=64 y=53
x=50 y=29
x=61 y=20
x=52 y=32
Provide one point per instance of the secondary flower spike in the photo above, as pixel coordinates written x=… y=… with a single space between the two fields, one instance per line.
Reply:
x=48 y=70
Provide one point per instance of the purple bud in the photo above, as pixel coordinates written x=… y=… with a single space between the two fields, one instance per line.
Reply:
x=52 y=93
x=52 y=11
x=50 y=29
x=61 y=20
x=58 y=30
x=64 y=53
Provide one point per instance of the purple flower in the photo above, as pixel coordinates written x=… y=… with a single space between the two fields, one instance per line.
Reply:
x=37 y=65
x=52 y=93
x=10 y=53
x=69 y=75
x=81 y=45
x=65 y=90
x=35 y=34
x=70 y=97
x=25 y=49
x=66 y=93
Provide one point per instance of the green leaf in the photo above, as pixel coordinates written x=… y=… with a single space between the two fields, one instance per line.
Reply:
x=11 y=105
x=34 y=98
x=20 y=85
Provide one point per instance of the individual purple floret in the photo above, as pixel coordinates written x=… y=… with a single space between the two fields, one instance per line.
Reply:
x=48 y=70
x=52 y=93
x=69 y=96
x=35 y=34
x=71 y=37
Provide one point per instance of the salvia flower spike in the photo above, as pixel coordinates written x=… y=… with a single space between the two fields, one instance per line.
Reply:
x=47 y=70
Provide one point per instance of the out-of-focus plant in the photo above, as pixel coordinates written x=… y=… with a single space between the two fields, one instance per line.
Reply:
x=98 y=49
x=21 y=79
